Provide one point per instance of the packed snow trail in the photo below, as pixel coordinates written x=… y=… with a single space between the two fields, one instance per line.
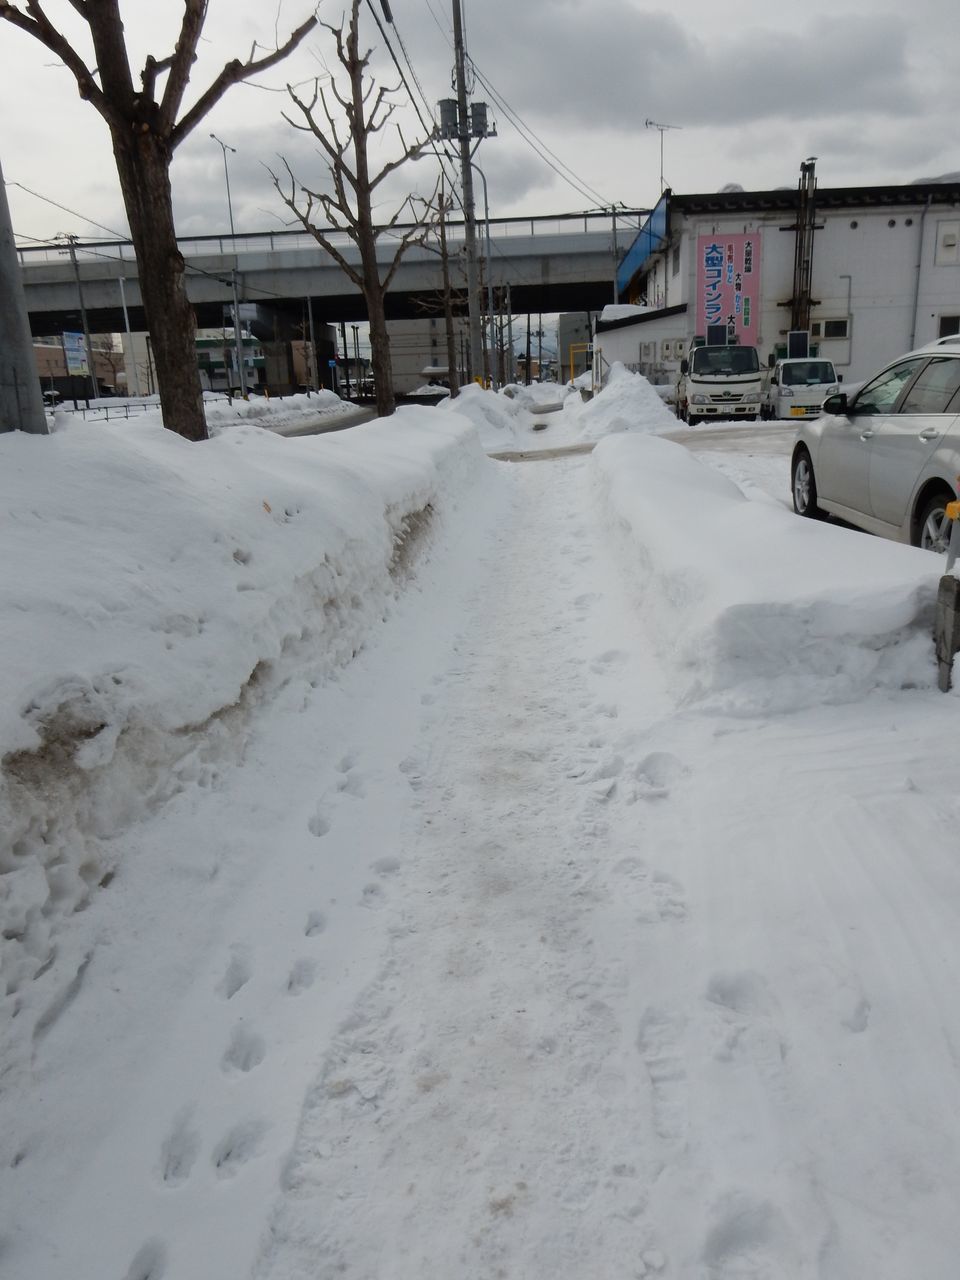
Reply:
x=627 y=1022
x=486 y=958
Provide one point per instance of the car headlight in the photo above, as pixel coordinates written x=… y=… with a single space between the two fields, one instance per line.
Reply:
x=831 y=391
x=752 y=397
x=699 y=399
x=785 y=391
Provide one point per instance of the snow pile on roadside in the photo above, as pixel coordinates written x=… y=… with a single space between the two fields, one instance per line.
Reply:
x=758 y=609
x=627 y=403
x=150 y=586
x=498 y=418
x=277 y=412
x=537 y=396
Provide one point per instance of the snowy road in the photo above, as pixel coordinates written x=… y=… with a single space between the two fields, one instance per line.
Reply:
x=545 y=975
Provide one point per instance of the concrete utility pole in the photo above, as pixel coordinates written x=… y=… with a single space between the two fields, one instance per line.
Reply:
x=469 y=217
x=21 y=404
x=88 y=345
x=237 y=330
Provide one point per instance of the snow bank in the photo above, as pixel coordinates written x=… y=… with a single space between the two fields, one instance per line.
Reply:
x=499 y=419
x=758 y=609
x=626 y=403
x=149 y=585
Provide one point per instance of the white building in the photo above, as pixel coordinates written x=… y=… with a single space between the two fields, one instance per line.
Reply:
x=868 y=272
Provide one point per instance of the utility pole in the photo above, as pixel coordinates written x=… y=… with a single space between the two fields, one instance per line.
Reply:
x=469 y=217
x=314 y=366
x=21 y=404
x=237 y=330
x=453 y=369
x=72 y=250
x=126 y=325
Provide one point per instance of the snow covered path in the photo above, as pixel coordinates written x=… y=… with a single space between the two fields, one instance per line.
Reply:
x=652 y=1005
x=485 y=958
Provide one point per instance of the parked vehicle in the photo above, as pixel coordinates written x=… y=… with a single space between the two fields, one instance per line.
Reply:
x=798 y=388
x=719 y=382
x=887 y=458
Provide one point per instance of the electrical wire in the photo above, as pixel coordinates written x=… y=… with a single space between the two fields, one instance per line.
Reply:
x=526 y=133
x=73 y=213
x=430 y=124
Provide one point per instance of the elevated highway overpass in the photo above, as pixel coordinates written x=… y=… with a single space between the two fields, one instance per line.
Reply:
x=560 y=263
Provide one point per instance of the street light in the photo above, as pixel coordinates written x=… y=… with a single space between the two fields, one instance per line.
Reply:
x=237 y=335
x=486 y=218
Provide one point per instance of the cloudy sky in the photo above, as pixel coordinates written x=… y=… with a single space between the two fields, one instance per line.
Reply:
x=868 y=86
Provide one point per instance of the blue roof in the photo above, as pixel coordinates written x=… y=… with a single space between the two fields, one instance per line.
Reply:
x=652 y=236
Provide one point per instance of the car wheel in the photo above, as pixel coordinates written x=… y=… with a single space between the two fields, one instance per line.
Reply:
x=932 y=530
x=804 y=486
x=692 y=419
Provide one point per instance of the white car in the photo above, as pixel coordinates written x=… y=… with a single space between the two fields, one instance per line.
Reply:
x=799 y=387
x=887 y=458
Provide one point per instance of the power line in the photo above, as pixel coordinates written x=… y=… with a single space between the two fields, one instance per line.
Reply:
x=526 y=133
x=73 y=213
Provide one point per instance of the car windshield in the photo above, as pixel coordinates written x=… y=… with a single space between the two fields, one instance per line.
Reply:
x=808 y=373
x=725 y=360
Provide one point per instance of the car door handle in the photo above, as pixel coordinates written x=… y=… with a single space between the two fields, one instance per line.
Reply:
x=930 y=433
x=866 y=435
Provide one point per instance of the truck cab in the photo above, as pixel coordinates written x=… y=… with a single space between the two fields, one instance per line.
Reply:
x=798 y=388
x=720 y=382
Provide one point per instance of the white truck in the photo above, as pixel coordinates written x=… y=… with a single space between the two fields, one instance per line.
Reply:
x=719 y=382
x=798 y=388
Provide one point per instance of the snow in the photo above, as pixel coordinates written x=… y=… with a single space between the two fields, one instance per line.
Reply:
x=424 y=865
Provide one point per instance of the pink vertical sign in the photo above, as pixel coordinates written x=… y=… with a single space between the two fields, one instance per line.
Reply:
x=728 y=284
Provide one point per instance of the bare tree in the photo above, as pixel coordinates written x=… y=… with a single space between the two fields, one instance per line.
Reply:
x=349 y=208
x=145 y=131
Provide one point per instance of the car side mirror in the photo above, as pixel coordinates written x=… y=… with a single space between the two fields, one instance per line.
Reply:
x=771 y=360
x=684 y=366
x=839 y=377
x=835 y=404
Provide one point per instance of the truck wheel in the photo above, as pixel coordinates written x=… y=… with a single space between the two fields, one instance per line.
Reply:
x=692 y=419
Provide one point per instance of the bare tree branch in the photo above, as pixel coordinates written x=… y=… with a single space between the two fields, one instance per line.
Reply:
x=180 y=63
x=233 y=73
x=37 y=24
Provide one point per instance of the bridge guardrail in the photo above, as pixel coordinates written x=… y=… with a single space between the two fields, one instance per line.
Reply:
x=628 y=220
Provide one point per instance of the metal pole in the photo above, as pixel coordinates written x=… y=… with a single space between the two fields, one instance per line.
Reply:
x=490 y=317
x=511 y=362
x=469 y=219
x=616 y=295
x=237 y=331
x=21 y=401
x=126 y=325
x=315 y=371
x=71 y=245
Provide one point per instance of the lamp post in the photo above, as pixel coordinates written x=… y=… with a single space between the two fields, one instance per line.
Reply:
x=490 y=320
x=237 y=333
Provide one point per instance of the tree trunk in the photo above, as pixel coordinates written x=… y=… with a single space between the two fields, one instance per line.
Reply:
x=143 y=165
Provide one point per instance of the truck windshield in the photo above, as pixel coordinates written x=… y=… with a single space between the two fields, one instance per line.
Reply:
x=725 y=361
x=808 y=373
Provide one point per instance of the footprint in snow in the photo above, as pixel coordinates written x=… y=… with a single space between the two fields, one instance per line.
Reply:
x=656 y=775
x=316 y=923
x=245 y=1051
x=749 y=1238
x=150 y=1262
x=238 y=974
x=180 y=1150
x=239 y=1145
x=302 y=975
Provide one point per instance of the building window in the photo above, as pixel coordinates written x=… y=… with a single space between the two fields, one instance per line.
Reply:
x=949 y=325
x=830 y=329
